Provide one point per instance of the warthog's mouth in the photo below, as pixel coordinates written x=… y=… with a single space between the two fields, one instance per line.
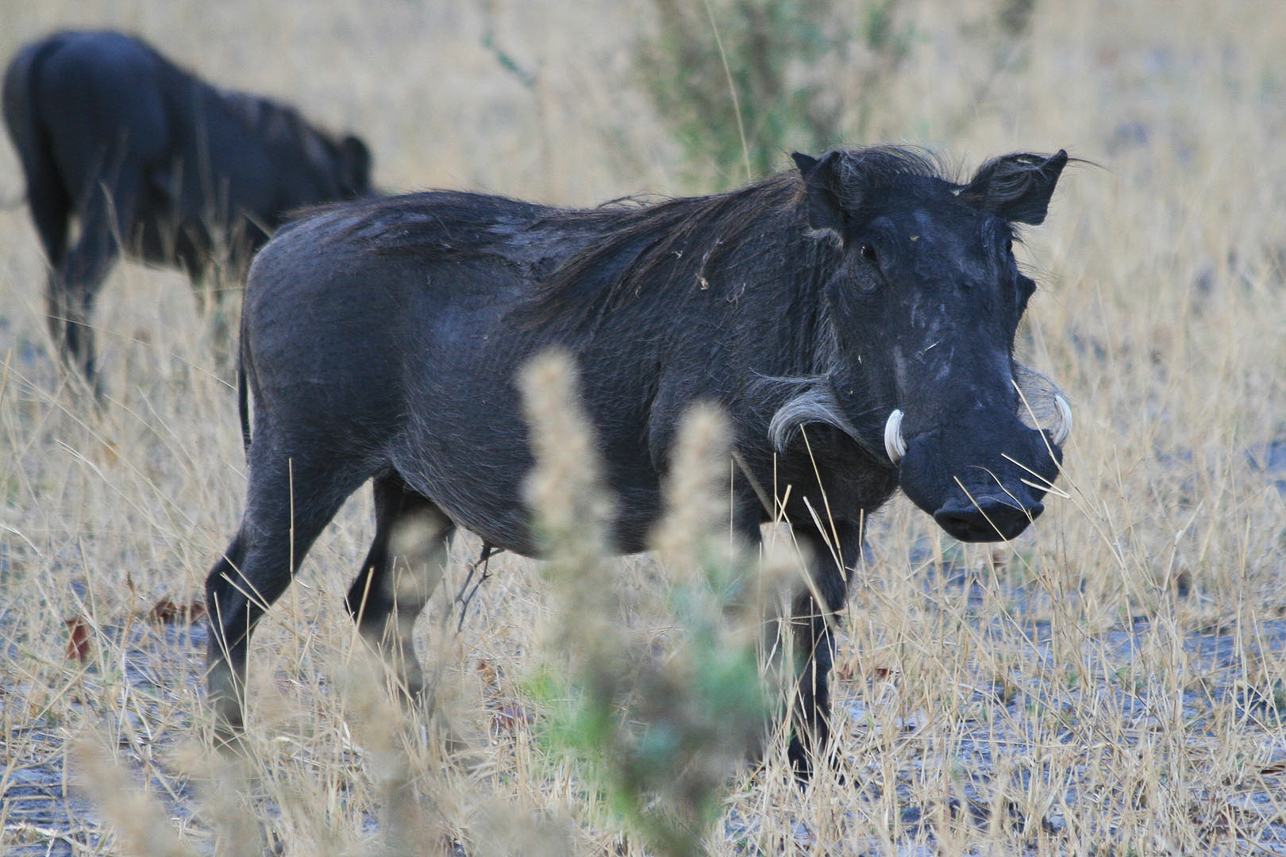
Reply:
x=1041 y=406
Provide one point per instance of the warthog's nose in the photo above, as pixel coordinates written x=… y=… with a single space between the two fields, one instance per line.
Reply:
x=986 y=519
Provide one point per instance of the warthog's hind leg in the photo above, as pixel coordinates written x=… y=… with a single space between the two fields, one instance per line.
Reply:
x=288 y=496
x=404 y=566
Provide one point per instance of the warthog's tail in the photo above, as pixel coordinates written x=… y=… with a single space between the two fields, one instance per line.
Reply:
x=243 y=403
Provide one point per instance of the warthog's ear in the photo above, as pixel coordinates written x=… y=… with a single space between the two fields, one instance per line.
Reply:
x=355 y=165
x=822 y=191
x=1016 y=187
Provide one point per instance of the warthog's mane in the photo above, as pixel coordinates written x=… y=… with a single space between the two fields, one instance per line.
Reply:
x=641 y=246
x=263 y=118
x=278 y=123
x=585 y=264
x=680 y=246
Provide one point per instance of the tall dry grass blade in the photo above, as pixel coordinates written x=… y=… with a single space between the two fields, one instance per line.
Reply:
x=732 y=90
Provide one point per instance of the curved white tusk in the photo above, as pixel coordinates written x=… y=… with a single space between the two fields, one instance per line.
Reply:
x=894 y=444
x=1064 y=429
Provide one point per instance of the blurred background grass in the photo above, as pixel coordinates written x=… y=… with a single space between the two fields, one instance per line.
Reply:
x=1112 y=682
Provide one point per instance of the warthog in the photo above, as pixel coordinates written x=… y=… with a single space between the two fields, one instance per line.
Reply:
x=146 y=155
x=862 y=296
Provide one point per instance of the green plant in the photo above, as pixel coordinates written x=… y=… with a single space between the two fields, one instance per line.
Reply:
x=656 y=735
x=747 y=81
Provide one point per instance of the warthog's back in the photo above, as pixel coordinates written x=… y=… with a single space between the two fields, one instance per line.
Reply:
x=395 y=327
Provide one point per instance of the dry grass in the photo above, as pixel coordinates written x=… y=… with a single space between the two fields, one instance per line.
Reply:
x=1111 y=683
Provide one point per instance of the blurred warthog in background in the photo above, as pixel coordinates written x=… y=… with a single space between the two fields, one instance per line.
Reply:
x=154 y=162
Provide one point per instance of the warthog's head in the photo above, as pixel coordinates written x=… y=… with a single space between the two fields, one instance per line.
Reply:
x=922 y=312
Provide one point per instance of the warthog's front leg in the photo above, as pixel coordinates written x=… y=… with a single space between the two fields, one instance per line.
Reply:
x=811 y=625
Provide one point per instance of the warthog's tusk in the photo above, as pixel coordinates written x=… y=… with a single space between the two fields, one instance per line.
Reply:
x=1064 y=429
x=894 y=444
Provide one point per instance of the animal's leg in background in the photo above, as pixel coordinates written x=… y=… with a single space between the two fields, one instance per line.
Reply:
x=49 y=199
x=832 y=557
x=405 y=564
x=106 y=219
x=51 y=210
x=261 y=561
x=50 y=205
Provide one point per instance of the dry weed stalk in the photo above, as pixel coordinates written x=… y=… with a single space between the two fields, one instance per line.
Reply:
x=140 y=822
x=378 y=725
x=659 y=733
x=697 y=510
x=571 y=509
x=224 y=786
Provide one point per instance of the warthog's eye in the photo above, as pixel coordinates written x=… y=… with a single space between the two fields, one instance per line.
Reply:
x=1009 y=246
x=868 y=253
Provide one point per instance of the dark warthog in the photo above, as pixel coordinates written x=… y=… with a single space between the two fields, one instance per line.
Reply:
x=862 y=296
x=143 y=153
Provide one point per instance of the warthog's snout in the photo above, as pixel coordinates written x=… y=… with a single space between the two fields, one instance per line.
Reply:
x=981 y=474
x=980 y=486
x=987 y=518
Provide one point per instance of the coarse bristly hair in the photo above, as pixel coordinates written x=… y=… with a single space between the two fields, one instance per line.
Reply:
x=676 y=246
x=686 y=240
x=652 y=245
x=638 y=245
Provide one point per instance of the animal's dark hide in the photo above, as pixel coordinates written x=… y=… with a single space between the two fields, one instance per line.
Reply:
x=380 y=340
